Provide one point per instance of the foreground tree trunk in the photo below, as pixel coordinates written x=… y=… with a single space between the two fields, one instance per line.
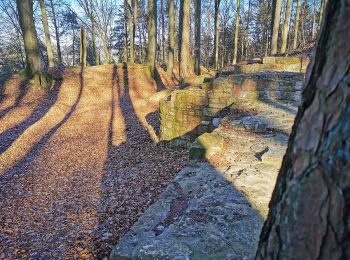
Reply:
x=152 y=34
x=47 y=34
x=184 y=53
x=235 y=47
x=33 y=62
x=310 y=206
x=82 y=47
x=323 y=3
x=171 y=48
x=197 y=45
x=216 y=37
x=276 y=16
x=285 y=28
x=296 y=26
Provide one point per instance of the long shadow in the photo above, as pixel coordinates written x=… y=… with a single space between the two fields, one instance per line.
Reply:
x=127 y=172
x=37 y=147
x=22 y=92
x=9 y=136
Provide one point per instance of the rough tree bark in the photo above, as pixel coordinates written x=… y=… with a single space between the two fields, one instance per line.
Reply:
x=152 y=34
x=82 y=47
x=310 y=206
x=136 y=7
x=131 y=30
x=296 y=25
x=285 y=27
x=276 y=16
x=186 y=69
x=216 y=37
x=235 y=46
x=33 y=62
x=171 y=54
x=47 y=34
x=57 y=33
x=197 y=44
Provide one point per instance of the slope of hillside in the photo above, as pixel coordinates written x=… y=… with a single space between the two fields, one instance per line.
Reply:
x=79 y=165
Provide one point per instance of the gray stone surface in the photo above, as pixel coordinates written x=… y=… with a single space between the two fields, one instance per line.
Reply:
x=199 y=216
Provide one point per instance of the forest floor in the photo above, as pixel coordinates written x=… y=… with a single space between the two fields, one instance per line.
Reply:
x=80 y=165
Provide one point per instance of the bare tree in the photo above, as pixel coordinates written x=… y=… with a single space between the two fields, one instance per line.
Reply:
x=152 y=34
x=171 y=54
x=285 y=27
x=235 y=48
x=47 y=34
x=197 y=46
x=275 y=24
x=296 y=25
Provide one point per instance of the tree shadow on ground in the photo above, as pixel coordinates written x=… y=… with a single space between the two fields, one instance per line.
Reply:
x=37 y=147
x=9 y=136
x=22 y=92
x=130 y=182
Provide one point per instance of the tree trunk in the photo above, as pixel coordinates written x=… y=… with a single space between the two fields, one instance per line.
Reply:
x=296 y=26
x=82 y=47
x=286 y=27
x=313 y=35
x=152 y=34
x=197 y=45
x=57 y=33
x=136 y=6
x=216 y=37
x=47 y=34
x=186 y=69
x=303 y=40
x=310 y=206
x=246 y=42
x=93 y=36
x=33 y=62
x=276 y=16
x=171 y=53
x=323 y=3
x=125 y=48
x=163 y=31
x=131 y=31
x=235 y=45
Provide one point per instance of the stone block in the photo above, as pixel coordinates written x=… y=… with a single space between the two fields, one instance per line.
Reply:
x=211 y=142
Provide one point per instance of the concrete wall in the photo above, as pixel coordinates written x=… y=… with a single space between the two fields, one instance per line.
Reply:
x=189 y=112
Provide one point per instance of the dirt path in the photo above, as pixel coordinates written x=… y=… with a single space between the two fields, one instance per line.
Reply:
x=77 y=169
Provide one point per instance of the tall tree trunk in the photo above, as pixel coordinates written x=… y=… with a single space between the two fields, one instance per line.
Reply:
x=125 y=48
x=246 y=42
x=286 y=27
x=152 y=34
x=186 y=69
x=296 y=25
x=276 y=16
x=313 y=35
x=310 y=207
x=93 y=36
x=33 y=62
x=163 y=31
x=320 y=18
x=171 y=54
x=131 y=31
x=57 y=33
x=235 y=46
x=136 y=6
x=216 y=37
x=303 y=17
x=47 y=34
x=197 y=45
x=82 y=47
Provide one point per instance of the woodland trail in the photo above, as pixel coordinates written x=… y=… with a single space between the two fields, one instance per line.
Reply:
x=78 y=168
